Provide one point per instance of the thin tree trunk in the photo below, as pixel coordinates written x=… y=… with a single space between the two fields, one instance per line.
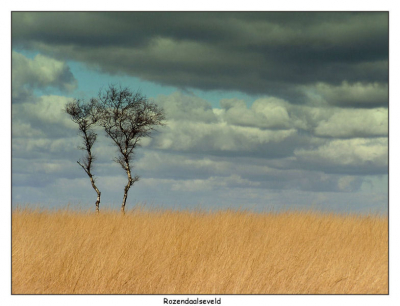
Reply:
x=93 y=185
x=98 y=195
x=126 y=189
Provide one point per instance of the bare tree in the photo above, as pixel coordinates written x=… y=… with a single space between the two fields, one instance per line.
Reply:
x=127 y=117
x=86 y=115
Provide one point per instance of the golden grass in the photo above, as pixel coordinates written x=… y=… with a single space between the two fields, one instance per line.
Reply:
x=226 y=252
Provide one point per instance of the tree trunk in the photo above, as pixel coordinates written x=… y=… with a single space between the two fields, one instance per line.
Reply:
x=124 y=201
x=126 y=189
x=98 y=202
x=98 y=195
x=87 y=170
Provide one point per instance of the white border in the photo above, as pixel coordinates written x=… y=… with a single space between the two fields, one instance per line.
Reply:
x=249 y=5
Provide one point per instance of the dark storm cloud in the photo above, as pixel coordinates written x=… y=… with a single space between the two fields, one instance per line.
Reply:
x=254 y=52
x=356 y=95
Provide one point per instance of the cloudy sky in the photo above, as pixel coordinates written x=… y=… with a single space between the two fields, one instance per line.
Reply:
x=265 y=110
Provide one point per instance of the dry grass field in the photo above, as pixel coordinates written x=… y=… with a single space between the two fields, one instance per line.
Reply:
x=171 y=252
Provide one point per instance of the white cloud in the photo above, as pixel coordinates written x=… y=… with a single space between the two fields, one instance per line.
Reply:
x=193 y=125
x=184 y=135
x=356 y=152
x=44 y=110
x=355 y=123
x=183 y=107
x=274 y=113
x=264 y=113
x=40 y=72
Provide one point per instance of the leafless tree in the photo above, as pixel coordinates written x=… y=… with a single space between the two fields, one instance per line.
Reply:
x=86 y=115
x=127 y=117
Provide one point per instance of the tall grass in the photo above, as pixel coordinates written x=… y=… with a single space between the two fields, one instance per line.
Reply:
x=171 y=252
